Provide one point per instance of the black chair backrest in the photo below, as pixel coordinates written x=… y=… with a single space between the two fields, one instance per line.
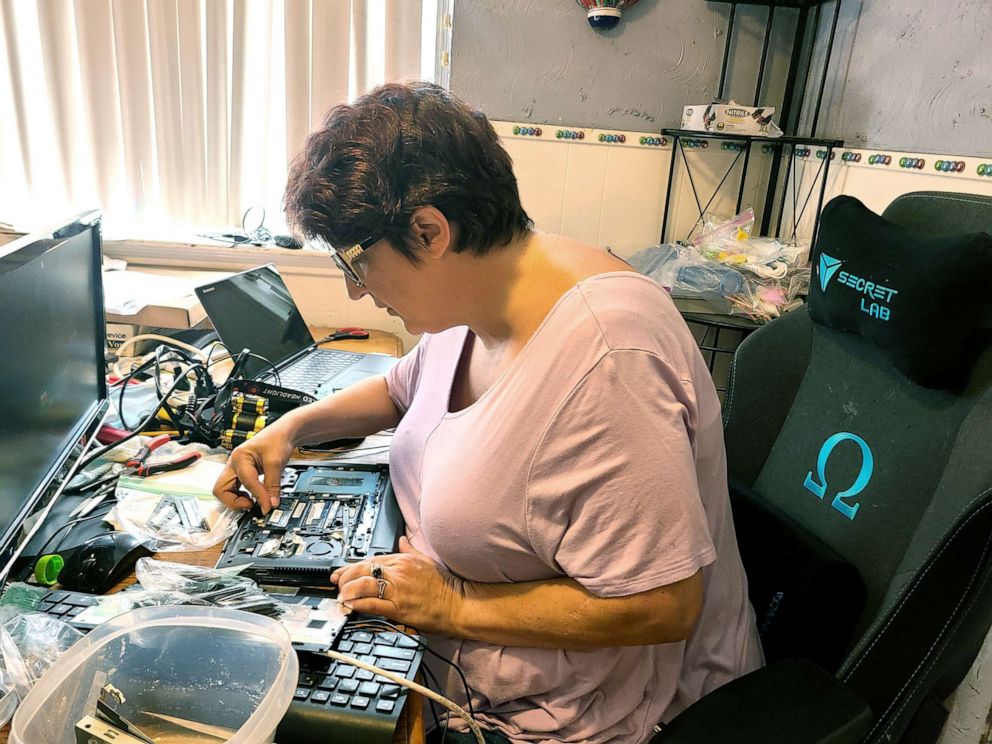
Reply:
x=863 y=501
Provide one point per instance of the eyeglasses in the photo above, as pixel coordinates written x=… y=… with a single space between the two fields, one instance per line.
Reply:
x=345 y=259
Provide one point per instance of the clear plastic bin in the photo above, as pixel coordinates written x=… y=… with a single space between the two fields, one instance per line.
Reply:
x=221 y=668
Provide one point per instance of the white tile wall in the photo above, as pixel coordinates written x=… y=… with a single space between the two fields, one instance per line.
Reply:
x=604 y=194
x=877 y=185
x=612 y=193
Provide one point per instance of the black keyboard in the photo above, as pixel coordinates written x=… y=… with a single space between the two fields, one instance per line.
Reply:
x=315 y=368
x=67 y=606
x=337 y=702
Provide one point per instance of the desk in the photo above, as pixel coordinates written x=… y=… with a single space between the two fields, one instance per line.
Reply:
x=378 y=342
x=410 y=728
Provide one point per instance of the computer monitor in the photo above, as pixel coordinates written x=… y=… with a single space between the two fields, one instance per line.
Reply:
x=53 y=389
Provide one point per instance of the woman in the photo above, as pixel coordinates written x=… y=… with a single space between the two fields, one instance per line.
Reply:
x=558 y=455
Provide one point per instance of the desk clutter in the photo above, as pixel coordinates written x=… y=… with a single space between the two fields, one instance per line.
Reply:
x=331 y=515
x=727 y=270
x=102 y=468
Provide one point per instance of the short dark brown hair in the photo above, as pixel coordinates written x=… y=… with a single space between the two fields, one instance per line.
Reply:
x=401 y=147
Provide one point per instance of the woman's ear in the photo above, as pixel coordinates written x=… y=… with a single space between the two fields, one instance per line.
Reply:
x=431 y=231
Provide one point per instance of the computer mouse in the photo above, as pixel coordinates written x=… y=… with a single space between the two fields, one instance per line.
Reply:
x=100 y=562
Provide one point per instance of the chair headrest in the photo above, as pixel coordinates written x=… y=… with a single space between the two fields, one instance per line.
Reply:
x=923 y=299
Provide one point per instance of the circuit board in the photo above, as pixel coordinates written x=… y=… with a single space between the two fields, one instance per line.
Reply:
x=328 y=516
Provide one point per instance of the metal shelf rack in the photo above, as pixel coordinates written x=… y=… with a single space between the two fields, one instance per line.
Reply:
x=807 y=27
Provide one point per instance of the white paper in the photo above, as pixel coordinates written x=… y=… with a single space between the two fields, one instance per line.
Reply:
x=128 y=292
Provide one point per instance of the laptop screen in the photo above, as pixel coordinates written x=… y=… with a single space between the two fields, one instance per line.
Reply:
x=52 y=372
x=253 y=310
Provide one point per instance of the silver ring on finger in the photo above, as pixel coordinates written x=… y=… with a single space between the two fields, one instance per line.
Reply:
x=377 y=572
x=381 y=585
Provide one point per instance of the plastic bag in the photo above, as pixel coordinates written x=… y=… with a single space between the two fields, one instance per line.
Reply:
x=170 y=515
x=685 y=272
x=732 y=271
x=759 y=291
x=167 y=576
x=717 y=230
x=767 y=301
x=689 y=274
x=207 y=586
x=730 y=242
x=30 y=642
x=311 y=627
x=154 y=518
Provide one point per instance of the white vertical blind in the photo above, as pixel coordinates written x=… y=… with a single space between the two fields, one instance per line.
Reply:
x=100 y=126
x=175 y=116
x=330 y=50
x=218 y=122
x=404 y=25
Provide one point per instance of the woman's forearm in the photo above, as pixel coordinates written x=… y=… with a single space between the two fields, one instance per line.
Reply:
x=357 y=411
x=562 y=614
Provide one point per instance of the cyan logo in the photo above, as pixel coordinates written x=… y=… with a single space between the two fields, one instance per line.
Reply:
x=828 y=267
x=818 y=485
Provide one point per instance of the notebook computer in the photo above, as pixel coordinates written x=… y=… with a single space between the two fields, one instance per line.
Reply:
x=253 y=310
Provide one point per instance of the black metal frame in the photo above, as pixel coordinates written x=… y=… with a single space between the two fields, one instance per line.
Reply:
x=713 y=326
x=778 y=143
x=789 y=105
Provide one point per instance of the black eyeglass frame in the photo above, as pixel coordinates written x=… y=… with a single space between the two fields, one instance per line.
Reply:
x=345 y=258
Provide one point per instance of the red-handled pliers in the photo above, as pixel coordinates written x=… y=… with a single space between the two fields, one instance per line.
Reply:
x=343 y=333
x=139 y=466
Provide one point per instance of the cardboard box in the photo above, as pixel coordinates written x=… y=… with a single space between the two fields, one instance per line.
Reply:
x=730 y=118
x=118 y=333
x=693 y=117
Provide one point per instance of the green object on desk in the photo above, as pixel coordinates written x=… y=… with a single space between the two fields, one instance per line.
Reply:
x=23 y=596
x=47 y=569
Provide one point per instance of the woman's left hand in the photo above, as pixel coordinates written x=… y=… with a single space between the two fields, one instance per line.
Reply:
x=407 y=587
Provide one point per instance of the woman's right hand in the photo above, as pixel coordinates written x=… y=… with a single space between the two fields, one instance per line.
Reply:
x=265 y=455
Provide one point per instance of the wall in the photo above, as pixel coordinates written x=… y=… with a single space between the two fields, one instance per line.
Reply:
x=539 y=61
x=911 y=75
x=611 y=194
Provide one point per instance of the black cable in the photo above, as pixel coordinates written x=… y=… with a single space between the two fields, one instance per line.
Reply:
x=123 y=383
x=226 y=387
x=154 y=361
x=428 y=678
x=447 y=722
x=187 y=418
x=148 y=419
x=206 y=434
x=259 y=234
x=213 y=348
x=175 y=346
x=207 y=429
x=423 y=645
x=158 y=390
x=275 y=372
x=70 y=524
x=183 y=418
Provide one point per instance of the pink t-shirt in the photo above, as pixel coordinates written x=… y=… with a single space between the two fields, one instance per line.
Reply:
x=597 y=455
